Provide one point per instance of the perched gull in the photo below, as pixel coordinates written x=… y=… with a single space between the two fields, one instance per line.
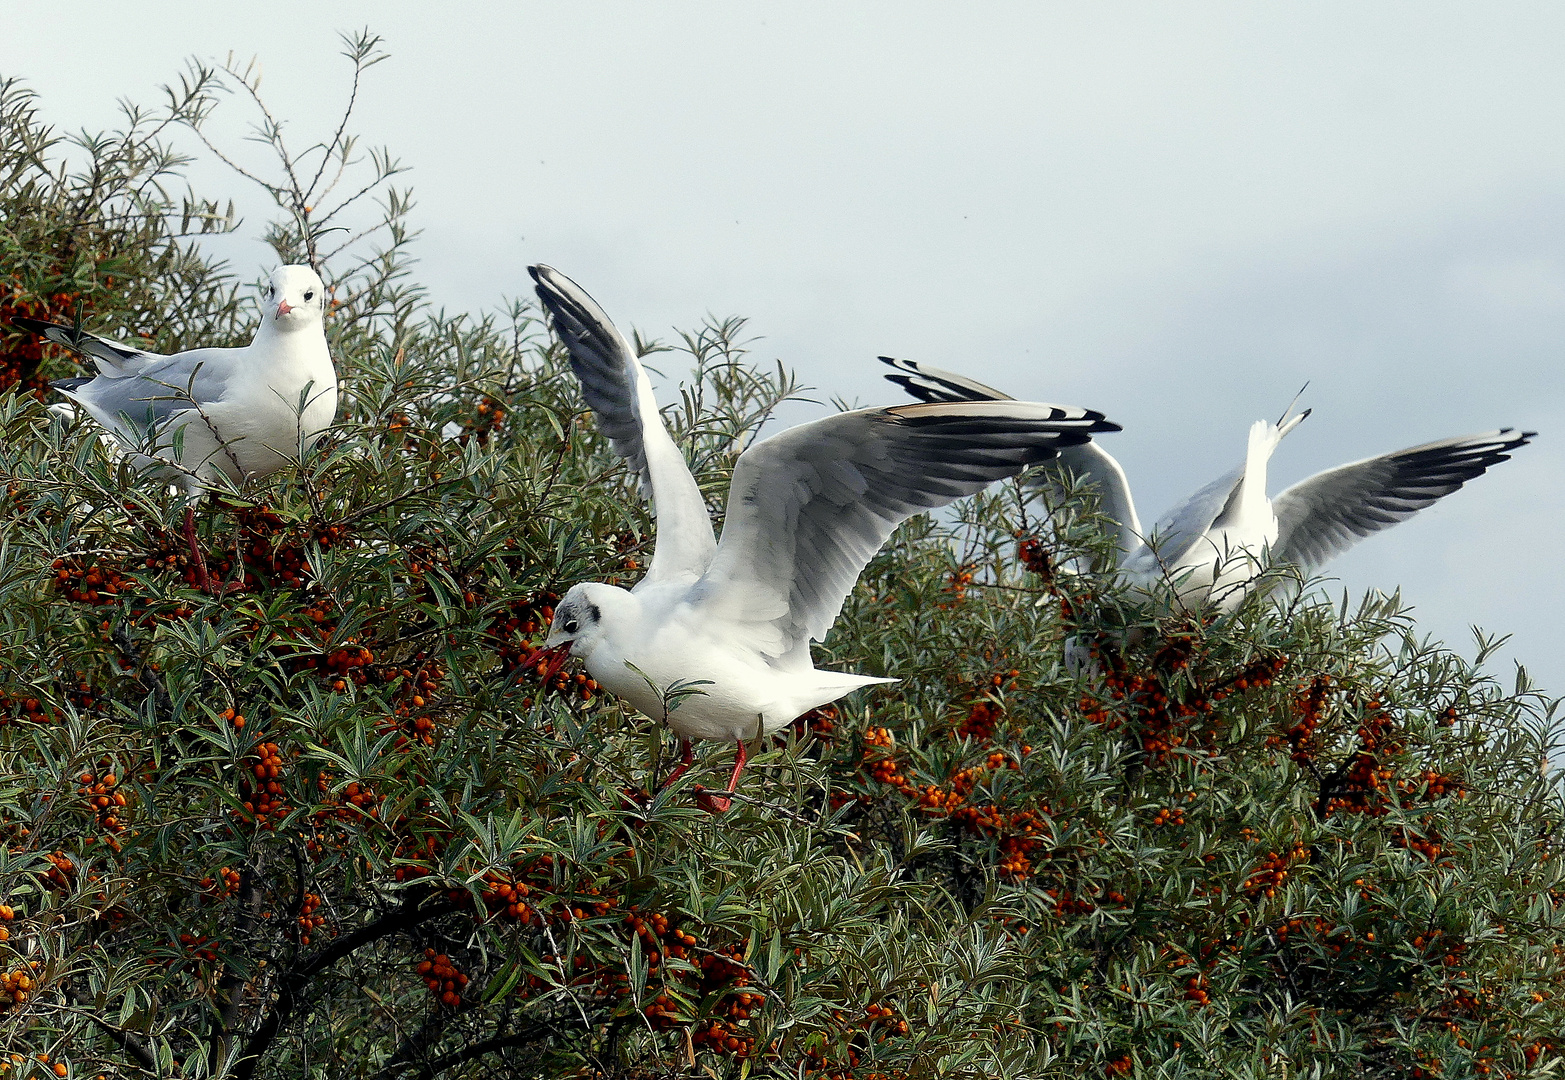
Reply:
x=197 y=415
x=1211 y=545
x=724 y=629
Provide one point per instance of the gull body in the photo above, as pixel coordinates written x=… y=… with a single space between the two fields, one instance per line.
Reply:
x=736 y=694
x=1213 y=546
x=239 y=413
x=715 y=639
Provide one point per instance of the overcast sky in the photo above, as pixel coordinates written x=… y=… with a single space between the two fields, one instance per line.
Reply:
x=1176 y=213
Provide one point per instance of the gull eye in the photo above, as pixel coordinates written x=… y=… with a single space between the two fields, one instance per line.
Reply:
x=310 y=295
x=571 y=626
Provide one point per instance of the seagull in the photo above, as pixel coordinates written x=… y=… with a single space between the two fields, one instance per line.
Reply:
x=1214 y=544
x=715 y=640
x=198 y=415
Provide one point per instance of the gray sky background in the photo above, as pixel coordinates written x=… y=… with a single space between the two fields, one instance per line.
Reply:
x=1175 y=213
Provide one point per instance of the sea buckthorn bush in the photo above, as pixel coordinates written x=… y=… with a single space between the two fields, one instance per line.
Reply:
x=330 y=823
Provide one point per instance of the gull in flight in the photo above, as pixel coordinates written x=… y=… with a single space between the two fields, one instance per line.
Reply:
x=715 y=640
x=194 y=416
x=1213 y=545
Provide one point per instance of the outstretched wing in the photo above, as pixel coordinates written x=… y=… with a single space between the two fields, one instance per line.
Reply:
x=808 y=508
x=620 y=395
x=933 y=384
x=1320 y=518
x=1088 y=462
x=116 y=360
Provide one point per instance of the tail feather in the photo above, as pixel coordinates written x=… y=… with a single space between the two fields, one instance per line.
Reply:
x=114 y=354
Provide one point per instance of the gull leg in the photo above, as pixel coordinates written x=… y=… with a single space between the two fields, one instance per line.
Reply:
x=687 y=758
x=718 y=804
x=203 y=578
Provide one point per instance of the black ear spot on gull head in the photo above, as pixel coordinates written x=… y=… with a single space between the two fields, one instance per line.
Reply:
x=593 y=614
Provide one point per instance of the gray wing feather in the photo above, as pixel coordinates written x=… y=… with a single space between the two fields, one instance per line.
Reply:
x=1320 y=518
x=159 y=389
x=808 y=508
x=620 y=395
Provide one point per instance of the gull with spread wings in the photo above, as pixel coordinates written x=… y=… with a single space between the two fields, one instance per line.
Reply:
x=807 y=509
x=1213 y=546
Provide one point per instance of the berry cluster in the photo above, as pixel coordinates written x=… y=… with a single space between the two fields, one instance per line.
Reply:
x=411 y=714
x=340 y=666
x=278 y=552
x=1164 y=726
x=27 y=709
x=442 y=978
x=104 y=800
x=1274 y=870
x=1032 y=554
x=225 y=885
x=1363 y=784
x=7 y=914
x=1308 y=708
x=851 y=1037
x=357 y=802
x=1428 y=843
x=719 y=975
x=1118 y=1065
x=97 y=582
x=516 y=623
x=983 y=716
x=956 y=586
x=417 y=854
x=490 y=417
x=260 y=786
x=1168 y=815
x=198 y=947
x=308 y=921
x=17 y=985
x=61 y=875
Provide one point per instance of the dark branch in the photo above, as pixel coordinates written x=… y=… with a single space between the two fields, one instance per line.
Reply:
x=290 y=986
x=122 y=1039
x=430 y=1069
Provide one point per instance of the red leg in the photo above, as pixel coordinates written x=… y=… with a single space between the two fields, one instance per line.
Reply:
x=718 y=804
x=203 y=578
x=687 y=758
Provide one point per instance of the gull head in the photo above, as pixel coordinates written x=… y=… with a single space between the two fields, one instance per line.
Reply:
x=293 y=298
x=579 y=619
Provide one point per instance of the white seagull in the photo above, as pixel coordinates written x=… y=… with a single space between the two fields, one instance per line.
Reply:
x=196 y=415
x=732 y=623
x=1213 y=546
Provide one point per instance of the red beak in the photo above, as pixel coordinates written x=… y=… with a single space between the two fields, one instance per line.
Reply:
x=548 y=662
x=283 y=308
